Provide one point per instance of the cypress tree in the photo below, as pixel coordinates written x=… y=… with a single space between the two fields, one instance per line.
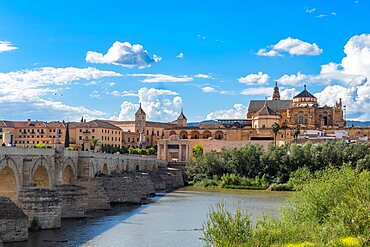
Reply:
x=66 y=139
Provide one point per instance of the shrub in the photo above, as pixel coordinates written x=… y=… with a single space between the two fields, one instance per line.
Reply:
x=40 y=145
x=226 y=229
x=298 y=177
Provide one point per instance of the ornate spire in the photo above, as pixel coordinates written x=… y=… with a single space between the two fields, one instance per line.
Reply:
x=276 y=94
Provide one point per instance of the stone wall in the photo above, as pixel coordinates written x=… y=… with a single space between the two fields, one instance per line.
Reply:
x=42 y=205
x=74 y=200
x=97 y=196
x=127 y=189
x=13 y=222
x=167 y=179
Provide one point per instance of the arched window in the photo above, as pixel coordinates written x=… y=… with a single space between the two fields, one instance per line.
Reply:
x=300 y=121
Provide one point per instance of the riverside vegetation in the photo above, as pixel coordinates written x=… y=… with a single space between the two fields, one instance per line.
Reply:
x=330 y=205
x=331 y=208
x=286 y=167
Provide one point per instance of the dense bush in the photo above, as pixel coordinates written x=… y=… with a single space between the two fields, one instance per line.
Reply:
x=276 y=164
x=332 y=209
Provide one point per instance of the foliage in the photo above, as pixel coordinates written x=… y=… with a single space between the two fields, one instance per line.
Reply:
x=331 y=209
x=226 y=229
x=142 y=151
x=296 y=130
x=197 y=151
x=278 y=164
x=299 y=177
x=95 y=142
x=275 y=128
x=40 y=145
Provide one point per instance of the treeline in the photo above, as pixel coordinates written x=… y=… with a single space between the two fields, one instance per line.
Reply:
x=275 y=164
x=128 y=150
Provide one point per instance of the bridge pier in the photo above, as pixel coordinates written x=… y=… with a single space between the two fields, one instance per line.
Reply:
x=42 y=206
x=74 y=200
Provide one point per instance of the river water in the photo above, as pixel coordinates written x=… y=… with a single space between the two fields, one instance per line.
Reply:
x=173 y=219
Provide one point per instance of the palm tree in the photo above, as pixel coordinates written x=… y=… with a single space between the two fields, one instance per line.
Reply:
x=95 y=142
x=275 y=128
x=296 y=131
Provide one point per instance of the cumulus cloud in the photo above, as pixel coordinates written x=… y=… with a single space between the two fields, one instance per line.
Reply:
x=124 y=54
x=255 y=79
x=353 y=73
x=152 y=78
x=27 y=91
x=123 y=93
x=7 y=46
x=292 y=80
x=238 y=111
x=291 y=46
x=180 y=55
x=203 y=76
x=159 y=104
x=208 y=89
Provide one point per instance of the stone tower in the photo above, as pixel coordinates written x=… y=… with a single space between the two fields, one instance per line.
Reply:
x=276 y=94
x=140 y=124
x=182 y=120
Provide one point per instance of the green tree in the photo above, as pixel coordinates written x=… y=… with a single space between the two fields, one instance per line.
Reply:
x=66 y=138
x=296 y=130
x=197 y=151
x=95 y=143
x=40 y=145
x=275 y=128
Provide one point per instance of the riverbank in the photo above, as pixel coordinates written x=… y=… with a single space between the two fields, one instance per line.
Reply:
x=174 y=217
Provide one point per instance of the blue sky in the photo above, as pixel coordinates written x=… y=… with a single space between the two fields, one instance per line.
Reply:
x=233 y=51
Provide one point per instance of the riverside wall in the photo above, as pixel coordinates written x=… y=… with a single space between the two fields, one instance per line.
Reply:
x=46 y=185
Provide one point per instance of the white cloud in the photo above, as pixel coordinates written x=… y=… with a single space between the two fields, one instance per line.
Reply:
x=180 y=55
x=159 y=105
x=238 y=111
x=271 y=53
x=321 y=15
x=353 y=72
x=123 y=93
x=208 y=89
x=95 y=94
x=152 y=78
x=255 y=79
x=291 y=46
x=310 y=10
x=203 y=76
x=124 y=54
x=27 y=91
x=6 y=46
x=266 y=91
x=111 y=84
x=287 y=93
x=292 y=80
x=201 y=36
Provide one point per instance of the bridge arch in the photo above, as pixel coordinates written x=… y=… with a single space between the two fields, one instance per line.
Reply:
x=69 y=173
x=10 y=180
x=105 y=169
x=40 y=174
x=117 y=169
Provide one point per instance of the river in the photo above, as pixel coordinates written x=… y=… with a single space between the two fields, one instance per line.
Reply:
x=173 y=219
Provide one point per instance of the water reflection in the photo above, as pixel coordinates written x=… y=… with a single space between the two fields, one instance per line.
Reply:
x=172 y=220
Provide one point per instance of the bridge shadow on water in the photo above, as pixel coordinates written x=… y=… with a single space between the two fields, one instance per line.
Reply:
x=76 y=232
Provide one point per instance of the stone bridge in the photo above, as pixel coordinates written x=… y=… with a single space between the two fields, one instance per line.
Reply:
x=48 y=168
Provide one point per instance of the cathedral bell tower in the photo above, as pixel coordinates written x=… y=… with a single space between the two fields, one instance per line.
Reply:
x=140 y=124
x=276 y=94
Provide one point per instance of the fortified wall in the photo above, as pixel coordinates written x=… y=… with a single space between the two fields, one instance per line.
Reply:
x=46 y=185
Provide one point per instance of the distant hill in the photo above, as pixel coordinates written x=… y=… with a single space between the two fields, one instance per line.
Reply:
x=358 y=123
x=202 y=122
